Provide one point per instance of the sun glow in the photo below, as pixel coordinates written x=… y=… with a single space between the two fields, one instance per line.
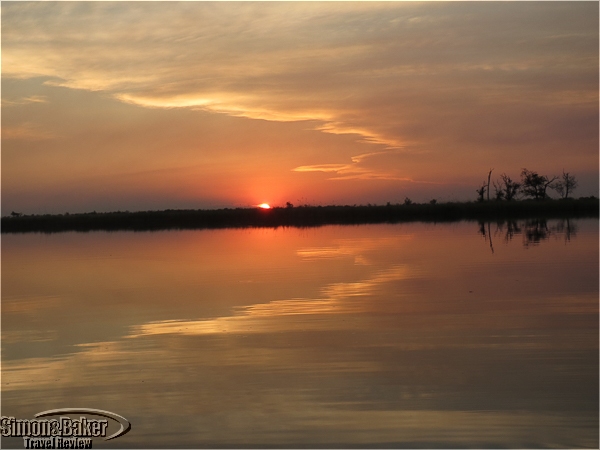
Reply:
x=264 y=206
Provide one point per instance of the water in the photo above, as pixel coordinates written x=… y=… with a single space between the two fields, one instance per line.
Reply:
x=412 y=335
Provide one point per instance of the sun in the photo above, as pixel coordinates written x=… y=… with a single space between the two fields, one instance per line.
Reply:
x=264 y=206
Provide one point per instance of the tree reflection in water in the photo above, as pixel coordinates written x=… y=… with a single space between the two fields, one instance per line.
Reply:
x=534 y=231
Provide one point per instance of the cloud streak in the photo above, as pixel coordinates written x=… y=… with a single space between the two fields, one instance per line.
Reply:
x=357 y=68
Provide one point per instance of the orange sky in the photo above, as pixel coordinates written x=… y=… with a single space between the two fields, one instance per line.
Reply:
x=197 y=105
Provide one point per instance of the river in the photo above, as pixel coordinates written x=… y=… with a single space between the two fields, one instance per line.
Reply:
x=406 y=335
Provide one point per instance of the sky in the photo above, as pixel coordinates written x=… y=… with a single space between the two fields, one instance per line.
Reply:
x=142 y=106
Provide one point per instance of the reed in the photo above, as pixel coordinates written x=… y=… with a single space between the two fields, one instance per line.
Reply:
x=301 y=216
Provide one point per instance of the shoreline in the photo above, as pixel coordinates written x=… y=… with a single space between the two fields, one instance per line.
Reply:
x=301 y=216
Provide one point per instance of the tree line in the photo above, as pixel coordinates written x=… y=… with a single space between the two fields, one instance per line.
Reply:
x=531 y=185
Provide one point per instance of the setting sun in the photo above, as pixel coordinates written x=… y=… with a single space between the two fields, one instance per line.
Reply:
x=264 y=206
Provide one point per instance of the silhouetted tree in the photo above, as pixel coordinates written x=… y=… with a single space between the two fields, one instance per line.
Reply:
x=481 y=192
x=566 y=185
x=535 y=185
x=498 y=191
x=510 y=188
x=488 y=184
x=408 y=201
x=288 y=205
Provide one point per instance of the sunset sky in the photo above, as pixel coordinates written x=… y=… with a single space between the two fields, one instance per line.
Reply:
x=115 y=106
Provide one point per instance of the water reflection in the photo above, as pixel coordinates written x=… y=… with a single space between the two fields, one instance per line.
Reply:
x=408 y=335
x=533 y=231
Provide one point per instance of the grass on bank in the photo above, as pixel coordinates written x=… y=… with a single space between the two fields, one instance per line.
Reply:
x=301 y=216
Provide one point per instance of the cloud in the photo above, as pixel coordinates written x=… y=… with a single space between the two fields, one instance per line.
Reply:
x=348 y=172
x=359 y=169
x=425 y=86
x=25 y=100
x=27 y=132
x=369 y=69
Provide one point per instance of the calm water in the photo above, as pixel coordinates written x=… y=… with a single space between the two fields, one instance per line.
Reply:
x=413 y=335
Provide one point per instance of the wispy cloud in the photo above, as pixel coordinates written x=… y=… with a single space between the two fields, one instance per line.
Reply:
x=24 y=100
x=27 y=132
x=368 y=69
x=357 y=171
